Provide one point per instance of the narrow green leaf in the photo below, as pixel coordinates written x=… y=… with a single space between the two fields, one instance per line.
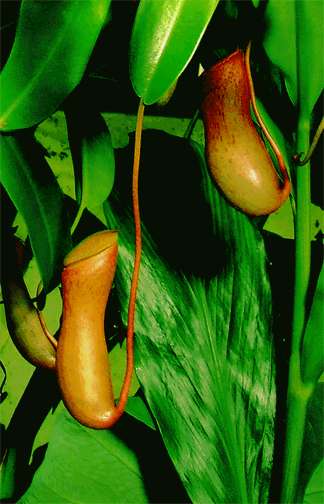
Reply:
x=281 y=141
x=315 y=490
x=53 y=44
x=93 y=157
x=312 y=451
x=280 y=45
x=203 y=352
x=32 y=186
x=88 y=466
x=164 y=38
x=7 y=474
x=312 y=363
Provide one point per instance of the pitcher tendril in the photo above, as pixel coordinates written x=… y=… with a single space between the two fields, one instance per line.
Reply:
x=274 y=147
x=138 y=250
x=312 y=147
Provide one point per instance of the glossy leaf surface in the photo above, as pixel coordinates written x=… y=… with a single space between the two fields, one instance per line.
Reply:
x=315 y=490
x=203 y=349
x=313 y=444
x=280 y=44
x=33 y=188
x=84 y=465
x=137 y=409
x=312 y=365
x=93 y=157
x=164 y=38
x=53 y=44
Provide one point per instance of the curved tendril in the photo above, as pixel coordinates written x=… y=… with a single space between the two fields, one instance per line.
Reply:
x=138 y=248
x=312 y=147
x=42 y=321
x=275 y=148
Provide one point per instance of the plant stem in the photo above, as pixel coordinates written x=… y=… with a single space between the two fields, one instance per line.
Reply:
x=298 y=396
x=298 y=393
x=303 y=243
x=137 y=261
x=77 y=218
x=191 y=125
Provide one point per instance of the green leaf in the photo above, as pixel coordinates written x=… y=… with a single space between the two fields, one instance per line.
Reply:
x=277 y=135
x=280 y=44
x=33 y=188
x=315 y=490
x=312 y=365
x=164 y=38
x=203 y=352
x=93 y=157
x=137 y=409
x=53 y=44
x=88 y=466
x=7 y=474
x=312 y=452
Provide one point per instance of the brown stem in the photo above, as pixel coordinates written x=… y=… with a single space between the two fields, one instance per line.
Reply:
x=138 y=248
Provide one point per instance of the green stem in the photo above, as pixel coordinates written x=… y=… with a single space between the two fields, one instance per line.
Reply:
x=77 y=218
x=303 y=242
x=191 y=125
x=298 y=393
x=298 y=397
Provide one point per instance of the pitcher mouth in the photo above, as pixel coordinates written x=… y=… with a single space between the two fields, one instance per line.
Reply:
x=209 y=82
x=90 y=247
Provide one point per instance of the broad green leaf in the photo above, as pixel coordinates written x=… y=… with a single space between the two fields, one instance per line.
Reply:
x=137 y=408
x=88 y=466
x=93 y=157
x=203 y=352
x=280 y=45
x=315 y=490
x=312 y=365
x=53 y=44
x=164 y=38
x=7 y=474
x=313 y=451
x=33 y=188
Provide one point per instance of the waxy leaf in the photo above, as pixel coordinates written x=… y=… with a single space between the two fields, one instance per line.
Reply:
x=315 y=490
x=164 y=38
x=313 y=443
x=280 y=45
x=88 y=466
x=312 y=365
x=53 y=44
x=137 y=409
x=32 y=186
x=93 y=157
x=203 y=352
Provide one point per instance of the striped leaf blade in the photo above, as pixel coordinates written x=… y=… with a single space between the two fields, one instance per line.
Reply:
x=203 y=350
